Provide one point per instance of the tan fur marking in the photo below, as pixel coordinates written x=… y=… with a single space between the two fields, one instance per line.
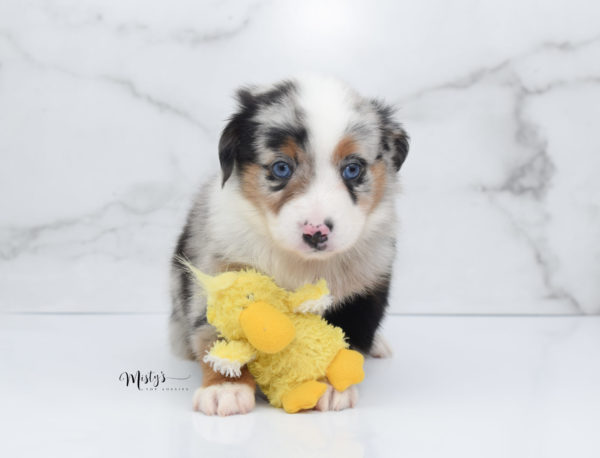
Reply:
x=210 y=377
x=296 y=186
x=290 y=148
x=379 y=181
x=368 y=202
x=256 y=193
x=299 y=182
x=251 y=184
x=345 y=147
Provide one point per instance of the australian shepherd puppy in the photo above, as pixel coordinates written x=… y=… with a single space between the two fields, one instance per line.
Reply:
x=306 y=191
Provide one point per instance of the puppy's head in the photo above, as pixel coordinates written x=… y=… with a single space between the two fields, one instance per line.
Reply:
x=316 y=159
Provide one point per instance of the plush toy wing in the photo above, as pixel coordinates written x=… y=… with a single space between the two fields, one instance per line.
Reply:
x=228 y=358
x=311 y=298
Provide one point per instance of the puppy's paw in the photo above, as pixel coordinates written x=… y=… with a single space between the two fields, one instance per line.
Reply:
x=336 y=400
x=224 y=399
x=380 y=348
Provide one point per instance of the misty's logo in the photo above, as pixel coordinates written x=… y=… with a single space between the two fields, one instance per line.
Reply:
x=150 y=381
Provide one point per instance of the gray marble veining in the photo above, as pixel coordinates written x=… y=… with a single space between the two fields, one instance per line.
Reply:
x=110 y=115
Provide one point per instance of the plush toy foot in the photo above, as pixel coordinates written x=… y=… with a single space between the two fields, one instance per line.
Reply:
x=346 y=369
x=303 y=397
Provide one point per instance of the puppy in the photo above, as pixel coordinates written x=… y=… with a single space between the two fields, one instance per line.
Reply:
x=306 y=191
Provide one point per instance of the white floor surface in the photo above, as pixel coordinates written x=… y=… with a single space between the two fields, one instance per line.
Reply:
x=456 y=387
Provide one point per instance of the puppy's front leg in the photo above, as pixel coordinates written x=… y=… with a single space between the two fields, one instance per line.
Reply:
x=380 y=348
x=222 y=395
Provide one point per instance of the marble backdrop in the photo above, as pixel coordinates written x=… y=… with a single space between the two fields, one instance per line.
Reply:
x=110 y=114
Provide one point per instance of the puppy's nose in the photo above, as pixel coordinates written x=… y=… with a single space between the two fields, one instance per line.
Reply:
x=316 y=235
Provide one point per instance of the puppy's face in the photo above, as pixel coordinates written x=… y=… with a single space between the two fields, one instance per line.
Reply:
x=315 y=159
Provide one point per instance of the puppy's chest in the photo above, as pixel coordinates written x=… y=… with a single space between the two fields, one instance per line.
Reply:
x=344 y=279
x=342 y=283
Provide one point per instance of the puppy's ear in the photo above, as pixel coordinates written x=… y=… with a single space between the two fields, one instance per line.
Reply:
x=229 y=145
x=394 y=139
x=399 y=145
x=237 y=137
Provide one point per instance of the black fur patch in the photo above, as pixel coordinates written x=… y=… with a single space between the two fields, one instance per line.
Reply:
x=393 y=137
x=278 y=187
x=276 y=137
x=187 y=287
x=352 y=192
x=351 y=185
x=236 y=146
x=360 y=316
x=186 y=290
x=277 y=94
x=400 y=150
x=200 y=321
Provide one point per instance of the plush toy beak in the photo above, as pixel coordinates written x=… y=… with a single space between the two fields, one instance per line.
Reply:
x=266 y=328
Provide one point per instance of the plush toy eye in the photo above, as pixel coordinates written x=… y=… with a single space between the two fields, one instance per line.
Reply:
x=351 y=171
x=250 y=297
x=281 y=169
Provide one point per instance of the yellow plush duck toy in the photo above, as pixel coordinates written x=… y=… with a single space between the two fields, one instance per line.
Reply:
x=288 y=347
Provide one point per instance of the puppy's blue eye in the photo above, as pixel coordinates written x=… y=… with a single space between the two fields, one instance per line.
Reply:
x=281 y=169
x=351 y=171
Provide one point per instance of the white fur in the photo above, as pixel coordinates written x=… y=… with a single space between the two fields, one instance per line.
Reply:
x=224 y=399
x=336 y=400
x=242 y=236
x=328 y=107
x=381 y=348
x=327 y=103
x=327 y=197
